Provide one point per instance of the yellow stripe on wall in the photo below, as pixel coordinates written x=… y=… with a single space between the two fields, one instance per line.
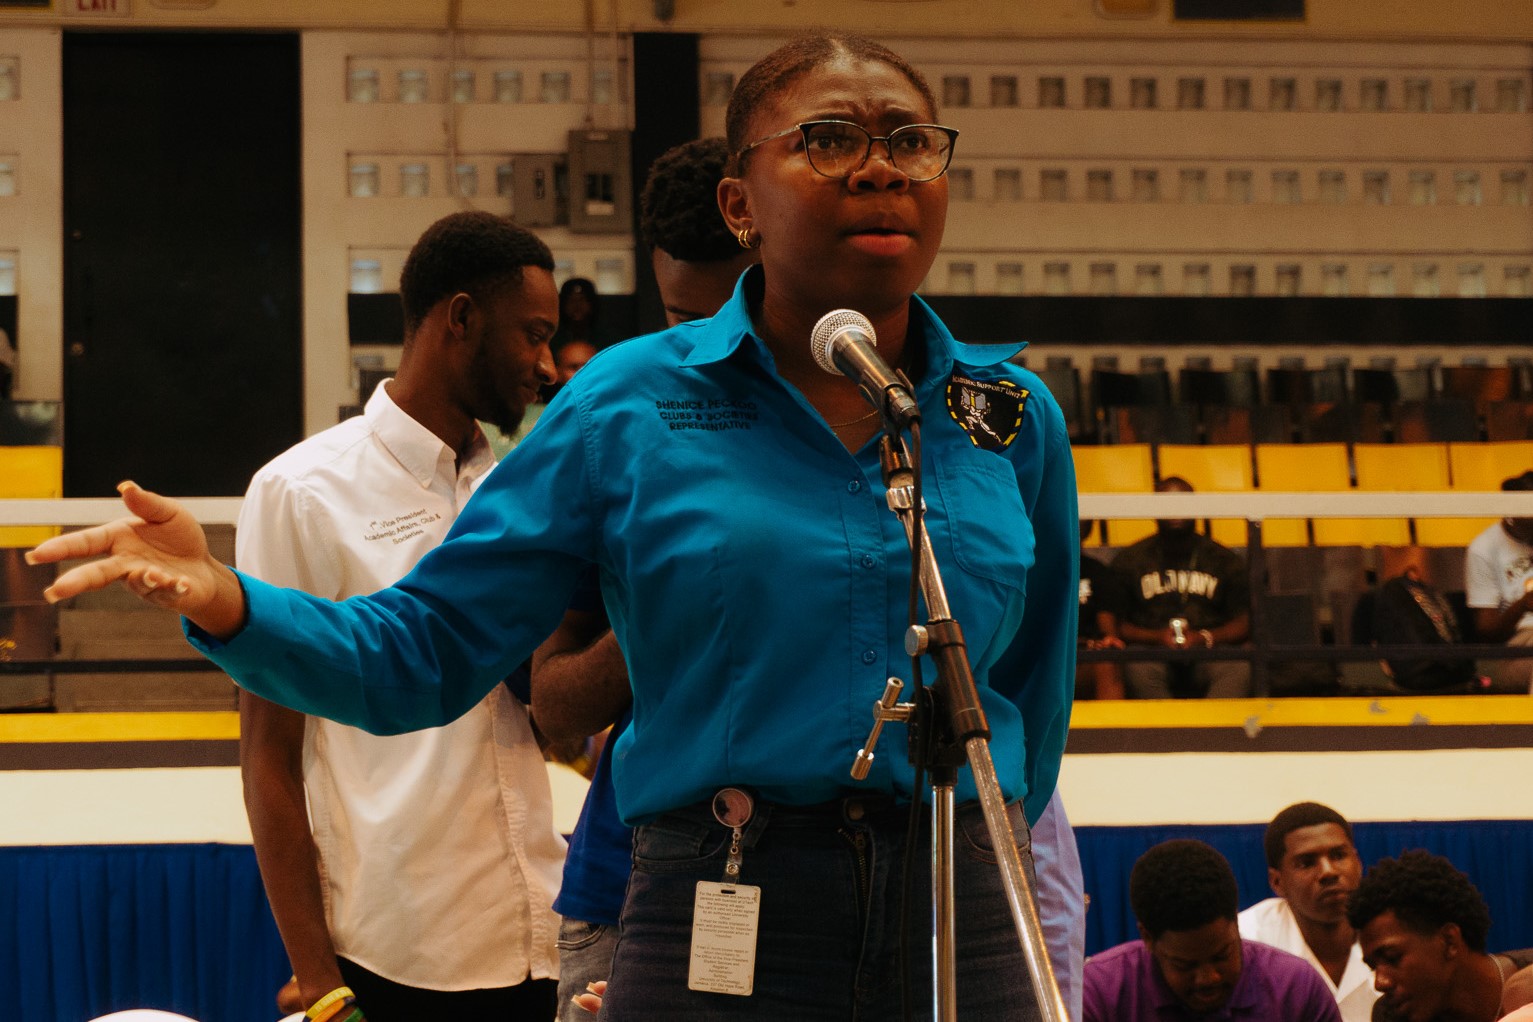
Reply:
x=1389 y=711
x=120 y=727
x=1392 y=711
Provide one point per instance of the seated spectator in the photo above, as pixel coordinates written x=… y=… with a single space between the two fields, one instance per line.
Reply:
x=1498 y=581
x=1312 y=867
x=1422 y=926
x=1408 y=610
x=1184 y=591
x=1101 y=595
x=1191 y=962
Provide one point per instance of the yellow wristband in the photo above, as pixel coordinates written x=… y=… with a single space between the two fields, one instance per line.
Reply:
x=344 y=1010
x=317 y=1010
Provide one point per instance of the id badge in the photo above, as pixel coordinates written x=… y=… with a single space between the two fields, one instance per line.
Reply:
x=725 y=922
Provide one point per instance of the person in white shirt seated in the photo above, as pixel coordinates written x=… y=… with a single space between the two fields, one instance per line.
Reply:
x=1498 y=586
x=1312 y=867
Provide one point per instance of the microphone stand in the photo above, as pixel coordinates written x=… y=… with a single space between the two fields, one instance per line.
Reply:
x=958 y=732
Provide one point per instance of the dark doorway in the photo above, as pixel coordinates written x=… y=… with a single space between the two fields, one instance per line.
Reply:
x=182 y=311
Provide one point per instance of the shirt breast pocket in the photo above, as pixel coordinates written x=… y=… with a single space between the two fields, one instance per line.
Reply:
x=990 y=532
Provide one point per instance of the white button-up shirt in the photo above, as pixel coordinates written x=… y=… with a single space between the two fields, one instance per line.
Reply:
x=1272 y=922
x=439 y=859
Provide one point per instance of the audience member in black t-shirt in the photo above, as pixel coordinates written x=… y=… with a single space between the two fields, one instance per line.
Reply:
x=1184 y=591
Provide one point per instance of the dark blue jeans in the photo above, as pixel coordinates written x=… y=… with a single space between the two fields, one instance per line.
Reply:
x=829 y=934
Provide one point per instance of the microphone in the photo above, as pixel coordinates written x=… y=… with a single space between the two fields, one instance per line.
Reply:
x=843 y=345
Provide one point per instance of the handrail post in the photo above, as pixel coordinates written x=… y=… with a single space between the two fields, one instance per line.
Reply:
x=1256 y=571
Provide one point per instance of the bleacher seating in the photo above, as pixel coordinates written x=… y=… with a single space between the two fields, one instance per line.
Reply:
x=1400 y=468
x=1482 y=466
x=1440 y=420
x=1112 y=388
x=1291 y=402
x=35 y=472
x=1150 y=424
x=1124 y=468
x=1387 y=385
x=1477 y=383
x=1198 y=386
x=1298 y=386
x=1302 y=468
x=1508 y=420
x=1064 y=382
x=1344 y=423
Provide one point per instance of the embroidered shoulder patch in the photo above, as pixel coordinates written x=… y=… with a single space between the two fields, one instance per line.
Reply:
x=990 y=412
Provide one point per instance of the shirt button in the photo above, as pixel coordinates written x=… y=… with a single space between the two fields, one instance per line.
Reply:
x=855 y=486
x=869 y=656
x=869 y=561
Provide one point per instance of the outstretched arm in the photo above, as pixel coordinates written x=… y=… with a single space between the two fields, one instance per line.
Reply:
x=159 y=553
x=418 y=654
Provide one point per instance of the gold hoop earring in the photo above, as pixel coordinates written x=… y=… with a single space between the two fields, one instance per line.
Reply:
x=745 y=239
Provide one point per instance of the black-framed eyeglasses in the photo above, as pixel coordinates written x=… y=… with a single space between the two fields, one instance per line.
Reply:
x=838 y=149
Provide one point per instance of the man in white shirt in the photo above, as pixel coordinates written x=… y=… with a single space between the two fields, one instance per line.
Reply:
x=414 y=873
x=1312 y=867
x=1498 y=587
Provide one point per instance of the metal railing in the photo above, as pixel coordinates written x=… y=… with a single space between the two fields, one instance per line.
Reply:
x=1254 y=506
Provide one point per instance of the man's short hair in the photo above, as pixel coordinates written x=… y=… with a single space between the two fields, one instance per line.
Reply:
x=473 y=252
x=1519 y=482
x=1297 y=817
x=1426 y=893
x=1181 y=885
x=679 y=208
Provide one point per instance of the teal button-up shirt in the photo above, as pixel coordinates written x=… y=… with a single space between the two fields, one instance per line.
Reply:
x=753 y=574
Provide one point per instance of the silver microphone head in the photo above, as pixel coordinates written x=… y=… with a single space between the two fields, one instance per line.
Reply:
x=825 y=331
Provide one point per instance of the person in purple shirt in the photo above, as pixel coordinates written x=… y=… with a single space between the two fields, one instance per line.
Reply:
x=1191 y=963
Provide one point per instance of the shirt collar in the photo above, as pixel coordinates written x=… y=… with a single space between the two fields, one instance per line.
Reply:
x=420 y=451
x=732 y=325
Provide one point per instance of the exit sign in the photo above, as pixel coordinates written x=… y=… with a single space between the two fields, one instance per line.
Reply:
x=97 y=8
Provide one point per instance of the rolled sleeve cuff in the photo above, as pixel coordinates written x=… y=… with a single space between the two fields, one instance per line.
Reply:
x=261 y=604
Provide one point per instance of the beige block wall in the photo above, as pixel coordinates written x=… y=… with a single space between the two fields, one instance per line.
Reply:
x=990 y=235
x=31 y=220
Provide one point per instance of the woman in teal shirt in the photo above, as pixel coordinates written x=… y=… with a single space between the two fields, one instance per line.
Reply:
x=729 y=492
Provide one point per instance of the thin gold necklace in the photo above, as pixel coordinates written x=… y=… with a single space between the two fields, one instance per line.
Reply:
x=853 y=422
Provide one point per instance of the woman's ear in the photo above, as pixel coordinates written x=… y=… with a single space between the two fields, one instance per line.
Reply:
x=735 y=205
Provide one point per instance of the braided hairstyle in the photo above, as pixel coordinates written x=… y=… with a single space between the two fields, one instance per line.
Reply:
x=769 y=75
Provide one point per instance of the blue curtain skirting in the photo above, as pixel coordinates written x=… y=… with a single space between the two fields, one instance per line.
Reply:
x=85 y=931
x=96 y=929
x=1497 y=855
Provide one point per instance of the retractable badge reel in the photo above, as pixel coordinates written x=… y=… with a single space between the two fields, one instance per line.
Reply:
x=726 y=916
